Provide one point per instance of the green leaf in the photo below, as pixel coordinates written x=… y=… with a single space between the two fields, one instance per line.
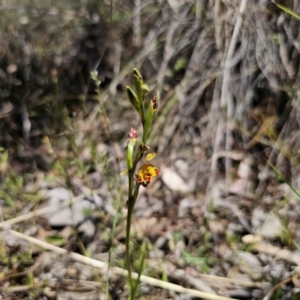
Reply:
x=133 y=100
x=56 y=240
x=138 y=83
x=288 y=11
x=148 y=122
x=138 y=89
x=140 y=268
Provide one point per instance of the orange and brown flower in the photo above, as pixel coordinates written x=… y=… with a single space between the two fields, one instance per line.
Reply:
x=147 y=171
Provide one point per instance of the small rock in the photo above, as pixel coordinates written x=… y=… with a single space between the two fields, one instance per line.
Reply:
x=265 y=224
x=69 y=215
x=173 y=181
x=250 y=264
x=49 y=293
x=87 y=231
x=10 y=240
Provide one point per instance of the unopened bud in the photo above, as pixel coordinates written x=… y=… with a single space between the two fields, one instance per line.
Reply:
x=132 y=135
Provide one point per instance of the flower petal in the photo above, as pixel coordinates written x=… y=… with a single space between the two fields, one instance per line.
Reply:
x=124 y=172
x=150 y=156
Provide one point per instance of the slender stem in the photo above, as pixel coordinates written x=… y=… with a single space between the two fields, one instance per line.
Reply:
x=133 y=191
x=139 y=157
x=128 y=262
x=128 y=226
x=130 y=183
x=136 y=193
x=131 y=202
x=132 y=196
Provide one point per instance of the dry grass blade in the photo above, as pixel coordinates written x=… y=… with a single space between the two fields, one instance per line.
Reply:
x=233 y=281
x=103 y=266
x=226 y=95
x=258 y=245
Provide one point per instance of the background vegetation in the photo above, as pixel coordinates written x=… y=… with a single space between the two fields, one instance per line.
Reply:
x=226 y=137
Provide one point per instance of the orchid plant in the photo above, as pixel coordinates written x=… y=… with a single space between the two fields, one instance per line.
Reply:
x=135 y=153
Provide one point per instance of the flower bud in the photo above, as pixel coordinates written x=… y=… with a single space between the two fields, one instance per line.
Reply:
x=132 y=135
x=131 y=140
x=138 y=83
x=133 y=100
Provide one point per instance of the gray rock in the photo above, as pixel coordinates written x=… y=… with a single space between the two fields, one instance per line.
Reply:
x=265 y=224
x=250 y=264
x=70 y=215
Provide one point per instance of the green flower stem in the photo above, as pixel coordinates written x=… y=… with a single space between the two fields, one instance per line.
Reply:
x=139 y=156
x=132 y=197
x=137 y=99
x=128 y=226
